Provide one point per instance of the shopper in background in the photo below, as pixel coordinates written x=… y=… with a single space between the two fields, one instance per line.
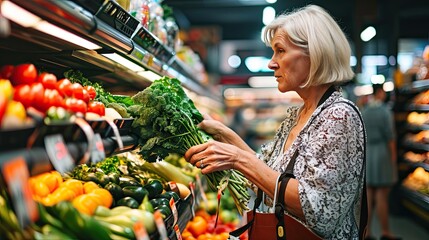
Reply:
x=311 y=56
x=381 y=158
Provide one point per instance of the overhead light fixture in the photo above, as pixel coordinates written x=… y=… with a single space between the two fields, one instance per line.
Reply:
x=388 y=86
x=362 y=90
x=55 y=31
x=26 y=19
x=149 y=75
x=268 y=15
x=368 y=34
x=124 y=62
x=234 y=61
x=378 y=79
x=257 y=64
x=271 y=1
x=262 y=82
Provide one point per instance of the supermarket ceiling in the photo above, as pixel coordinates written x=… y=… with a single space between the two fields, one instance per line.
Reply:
x=242 y=19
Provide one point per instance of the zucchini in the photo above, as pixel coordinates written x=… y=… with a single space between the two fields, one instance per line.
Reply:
x=128 y=181
x=169 y=195
x=165 y=210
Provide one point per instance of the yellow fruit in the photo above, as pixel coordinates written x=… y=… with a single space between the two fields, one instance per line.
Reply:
x=57 y=176
x=16 y=109
x=75 y=185
x=40 y=189
x=104 y=195
x=89 y=186
x=85 y=204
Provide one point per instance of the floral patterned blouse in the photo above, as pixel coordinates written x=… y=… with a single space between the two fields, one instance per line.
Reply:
x=328 y=166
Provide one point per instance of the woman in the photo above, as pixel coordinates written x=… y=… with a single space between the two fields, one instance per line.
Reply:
x=381 y=163
x=311 y=55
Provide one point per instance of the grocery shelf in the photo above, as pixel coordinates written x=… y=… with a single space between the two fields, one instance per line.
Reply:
x=415 y=127
x=419 y=107
x=415 y=87
x=108 y=26
x=414 y=165
x=416 y=146
x=416 y=202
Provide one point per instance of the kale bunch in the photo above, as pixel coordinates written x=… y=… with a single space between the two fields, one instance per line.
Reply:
x=165 y=120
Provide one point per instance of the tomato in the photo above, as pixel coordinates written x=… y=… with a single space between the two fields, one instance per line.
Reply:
x=75 y=105
x=6 y=71
x=51 y=98
x=37 y=93
x=63 y=87
x=48 y=80
x=91 y=91
x=24 y=74
x=3 y=105
x=85 y=96
x=22 y=94
x=97 y=107
x=197 y=226
x=77 y=90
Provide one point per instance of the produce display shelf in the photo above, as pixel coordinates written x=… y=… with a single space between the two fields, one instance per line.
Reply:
x=414 y=165
x=416 y=86
x=419 y=107
x=416 y=202
x=415 y=127
x=417 y=146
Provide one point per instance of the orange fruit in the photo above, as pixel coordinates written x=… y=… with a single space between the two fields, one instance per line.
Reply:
x=85 y=204
x=57 y=176
x=89 y=186
x=105 y=196
x=74 y=185
x=40 y=189
x=50 y=180
x=60 y=194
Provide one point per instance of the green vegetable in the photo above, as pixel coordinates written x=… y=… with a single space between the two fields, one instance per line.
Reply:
x=128 y=202
x=82 y=225
x=165 y=210
x=109 y=165
x=128 y=181
x=115 y=190
x=136 y=192
x=159 y=201
x=120 y=108
x=168 y=171
x=146 y=205
x=169 y=195
x=154 y=188
x=167 y=123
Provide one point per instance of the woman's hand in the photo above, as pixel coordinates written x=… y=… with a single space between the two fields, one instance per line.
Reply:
x=222 y=133
x=213 y=156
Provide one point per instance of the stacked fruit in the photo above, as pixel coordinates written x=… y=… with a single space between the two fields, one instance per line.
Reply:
x=44 y=93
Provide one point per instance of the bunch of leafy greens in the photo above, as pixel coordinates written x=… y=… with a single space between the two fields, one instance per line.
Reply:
x=165 y=120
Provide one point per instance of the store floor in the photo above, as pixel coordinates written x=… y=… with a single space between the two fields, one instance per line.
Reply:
x=402 y=223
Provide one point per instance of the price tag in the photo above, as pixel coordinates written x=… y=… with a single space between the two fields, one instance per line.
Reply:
x=200 y=186
x=140 y=231
x=160 y=225
x=174 y=210
x=58 y=153
x=173 y=186
x=192 y=187
x=177 y=231
x=97 y=152
x=16 y=175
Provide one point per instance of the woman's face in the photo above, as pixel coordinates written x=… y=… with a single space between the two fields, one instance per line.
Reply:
x=289 y=62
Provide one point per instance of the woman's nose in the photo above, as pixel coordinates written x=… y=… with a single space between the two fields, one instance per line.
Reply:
x=272 y=65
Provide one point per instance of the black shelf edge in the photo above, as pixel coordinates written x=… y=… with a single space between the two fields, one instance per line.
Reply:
x=416 y=86
x=416 y=164
x=419 y=107
x=415 y=127
x=417 y=146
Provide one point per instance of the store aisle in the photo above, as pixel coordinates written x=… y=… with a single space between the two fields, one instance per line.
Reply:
x=402 y=226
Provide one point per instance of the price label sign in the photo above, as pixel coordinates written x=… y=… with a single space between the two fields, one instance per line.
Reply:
x=58 y=153
x=177 y=231
x=97 y=152
x=160 y=225
x=140 y=231
x=16 y=175
x=192 y=187
x=174 y=210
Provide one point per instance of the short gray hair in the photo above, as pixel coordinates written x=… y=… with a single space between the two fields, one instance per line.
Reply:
x=315 y=31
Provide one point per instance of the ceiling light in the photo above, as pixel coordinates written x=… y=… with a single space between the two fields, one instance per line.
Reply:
x=124 y=62
x=257 y=64
x=363 y=90
x=55 y=31
x=353 y=61
x=368 y=34
x=149 y=75
x=19 y=15
x=388 y=86
x=268 y=15
x=26 y=19
x=378 y=79
x=262 y=81
x=271 y=1
x=234 y=61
